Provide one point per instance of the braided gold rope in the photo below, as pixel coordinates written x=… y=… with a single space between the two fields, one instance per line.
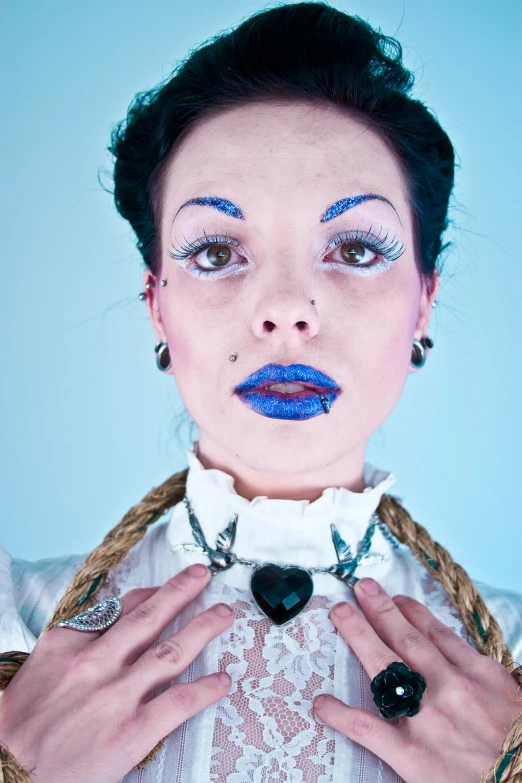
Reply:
x=482 y=626
x=475 y=615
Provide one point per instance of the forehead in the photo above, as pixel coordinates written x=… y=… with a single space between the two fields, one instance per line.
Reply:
x=283 y=153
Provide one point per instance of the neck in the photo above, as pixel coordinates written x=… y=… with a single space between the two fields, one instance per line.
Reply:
x=346 y=471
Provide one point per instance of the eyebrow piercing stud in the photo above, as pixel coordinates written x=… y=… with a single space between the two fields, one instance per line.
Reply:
x=312 y=301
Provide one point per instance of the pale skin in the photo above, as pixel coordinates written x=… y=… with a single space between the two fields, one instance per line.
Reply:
x=82 y=707
x=283 y=165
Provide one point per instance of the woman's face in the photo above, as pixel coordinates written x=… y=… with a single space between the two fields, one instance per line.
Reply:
x=275 y=170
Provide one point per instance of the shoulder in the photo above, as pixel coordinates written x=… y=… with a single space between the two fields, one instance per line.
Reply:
x=506 y=607
x=29 y=593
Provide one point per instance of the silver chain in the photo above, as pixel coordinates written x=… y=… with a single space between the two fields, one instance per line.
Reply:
x=221 y=557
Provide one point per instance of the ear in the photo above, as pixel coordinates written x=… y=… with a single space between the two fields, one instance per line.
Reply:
x=152 y=300
x=430 y=291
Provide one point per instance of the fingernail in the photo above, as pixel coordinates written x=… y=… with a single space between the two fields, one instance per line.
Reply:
x=223 y=610
x=198 y=569
x=343 y=609
x=319 y=701
x=224 y=678
x=369 y=586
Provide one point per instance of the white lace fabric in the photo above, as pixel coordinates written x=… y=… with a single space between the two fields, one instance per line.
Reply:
x=266 y=725
x=264 y=730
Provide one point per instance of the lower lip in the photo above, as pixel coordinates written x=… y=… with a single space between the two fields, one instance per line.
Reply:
x=296 y=406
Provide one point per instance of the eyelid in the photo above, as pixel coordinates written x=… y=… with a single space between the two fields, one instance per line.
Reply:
x=181 y=253
x=391 y=249
x=384 y=250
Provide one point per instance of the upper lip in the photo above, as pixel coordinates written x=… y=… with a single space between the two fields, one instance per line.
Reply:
x=294 y=373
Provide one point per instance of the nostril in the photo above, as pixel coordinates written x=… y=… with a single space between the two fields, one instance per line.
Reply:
x=301 y=325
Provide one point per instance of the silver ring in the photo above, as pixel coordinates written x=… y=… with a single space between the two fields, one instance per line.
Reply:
x=97 y=618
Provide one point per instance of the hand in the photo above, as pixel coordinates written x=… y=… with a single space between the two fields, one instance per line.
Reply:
x=466 y=711
x=81 y=708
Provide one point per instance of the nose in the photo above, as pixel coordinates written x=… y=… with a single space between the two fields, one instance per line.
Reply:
x=286 y=317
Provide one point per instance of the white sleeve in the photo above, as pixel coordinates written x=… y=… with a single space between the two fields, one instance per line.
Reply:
x=29 y=594
x=506 y=608
x=14 y=634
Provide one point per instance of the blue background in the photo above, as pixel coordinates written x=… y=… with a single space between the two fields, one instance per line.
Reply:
x=89 y=425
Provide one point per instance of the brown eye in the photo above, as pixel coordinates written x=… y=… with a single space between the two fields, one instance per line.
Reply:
x=353 y=252
x=218 y=255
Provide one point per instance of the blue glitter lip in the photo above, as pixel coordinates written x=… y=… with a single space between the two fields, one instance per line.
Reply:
x=295 y=407
x=301 y=405
x=294 y=373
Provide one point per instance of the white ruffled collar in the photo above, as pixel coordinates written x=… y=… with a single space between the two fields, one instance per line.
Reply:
x=276 y=530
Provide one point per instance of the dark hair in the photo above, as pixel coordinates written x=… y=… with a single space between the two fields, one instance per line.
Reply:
x=303 y=51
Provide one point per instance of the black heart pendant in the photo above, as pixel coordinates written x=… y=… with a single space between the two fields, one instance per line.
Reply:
x=281 y=592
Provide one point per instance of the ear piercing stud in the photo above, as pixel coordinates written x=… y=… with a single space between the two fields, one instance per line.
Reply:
x=141 y=295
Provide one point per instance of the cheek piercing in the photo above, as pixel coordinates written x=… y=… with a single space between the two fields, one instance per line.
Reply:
x=312 y=301
x=163 y=283
x=233 y=357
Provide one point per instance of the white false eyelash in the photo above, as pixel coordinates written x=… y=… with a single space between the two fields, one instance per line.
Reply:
x=190 y=266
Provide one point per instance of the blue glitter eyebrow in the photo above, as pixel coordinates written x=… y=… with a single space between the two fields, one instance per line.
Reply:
x=349 y=203
x=333 y=211
x=218 y=203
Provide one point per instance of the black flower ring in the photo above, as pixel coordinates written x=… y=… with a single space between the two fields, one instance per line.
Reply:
x=398 y=691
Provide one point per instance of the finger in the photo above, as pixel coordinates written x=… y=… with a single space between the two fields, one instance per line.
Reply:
x=366 y=643
x=133 y=634
x=392 y=626
x=172 y=656
x=160 y=716
x=373 y=732
x=77 y=639
x=452 y=646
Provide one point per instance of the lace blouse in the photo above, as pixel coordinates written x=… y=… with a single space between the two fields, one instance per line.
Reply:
x=264 y=730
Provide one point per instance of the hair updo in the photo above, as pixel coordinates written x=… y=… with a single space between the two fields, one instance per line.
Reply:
x=311 y=52
x=302 y=52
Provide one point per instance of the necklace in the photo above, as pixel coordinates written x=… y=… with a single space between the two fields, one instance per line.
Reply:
x=281 y=592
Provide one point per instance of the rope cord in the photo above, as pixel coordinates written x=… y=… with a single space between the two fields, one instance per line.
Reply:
x=475 y=615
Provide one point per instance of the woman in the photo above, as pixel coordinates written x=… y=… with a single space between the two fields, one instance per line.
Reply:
x=290 y=338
